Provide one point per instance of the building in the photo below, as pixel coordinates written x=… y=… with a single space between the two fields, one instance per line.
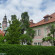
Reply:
x=4 y=24
x=42 y=29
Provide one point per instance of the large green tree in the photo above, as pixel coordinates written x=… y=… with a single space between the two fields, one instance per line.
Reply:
x=14 y=31
x=28 y=36
x=25 y=19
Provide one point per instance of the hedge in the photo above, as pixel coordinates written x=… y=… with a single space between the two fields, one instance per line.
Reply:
x=26 y=50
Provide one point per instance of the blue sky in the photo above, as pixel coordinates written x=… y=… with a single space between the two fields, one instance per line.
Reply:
x=36 y=9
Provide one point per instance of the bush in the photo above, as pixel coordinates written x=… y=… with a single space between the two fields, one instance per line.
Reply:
x=2 y=39
x=49 y=38
x=26 y=50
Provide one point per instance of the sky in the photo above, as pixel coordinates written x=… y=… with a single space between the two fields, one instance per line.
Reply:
x=36 y=9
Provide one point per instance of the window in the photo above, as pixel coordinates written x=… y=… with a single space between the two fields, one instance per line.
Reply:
x=45 y=32
x=35 y=43
x=39 y=43
x=38 y=32
x=49 y=18
x=46 y=19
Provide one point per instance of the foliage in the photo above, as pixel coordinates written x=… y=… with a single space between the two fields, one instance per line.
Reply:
x=52 y=29
x=14 y=31
x=26 y=50
x=2 y=39
x=30 y=32
x=25 y=20
x=49 y=38
x=26 y=27
x=26 y=38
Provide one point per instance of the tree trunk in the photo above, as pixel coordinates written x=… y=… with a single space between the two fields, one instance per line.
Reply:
x=22 y=42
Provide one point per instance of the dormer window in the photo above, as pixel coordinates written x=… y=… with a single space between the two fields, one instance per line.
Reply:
x=47 y=18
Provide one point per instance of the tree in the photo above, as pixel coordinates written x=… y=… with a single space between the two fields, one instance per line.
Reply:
x=30 y=32
x=51 y=35
x=52 y=32
x=48 y=38
x=2 y=38
x=14 y=31
x=25 y=19
x=26 y=37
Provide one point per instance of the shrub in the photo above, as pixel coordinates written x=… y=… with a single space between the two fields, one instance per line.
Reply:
x=49 y=38
x=2 y=39
x=26 y=50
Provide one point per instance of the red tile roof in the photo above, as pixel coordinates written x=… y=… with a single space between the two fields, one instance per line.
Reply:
x=45 y=22
x=2 y=33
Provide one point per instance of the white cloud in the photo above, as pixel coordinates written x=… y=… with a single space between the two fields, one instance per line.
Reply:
x=31 y=6
x=31 y=3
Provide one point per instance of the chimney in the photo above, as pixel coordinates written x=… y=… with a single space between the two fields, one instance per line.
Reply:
x=31 y=22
